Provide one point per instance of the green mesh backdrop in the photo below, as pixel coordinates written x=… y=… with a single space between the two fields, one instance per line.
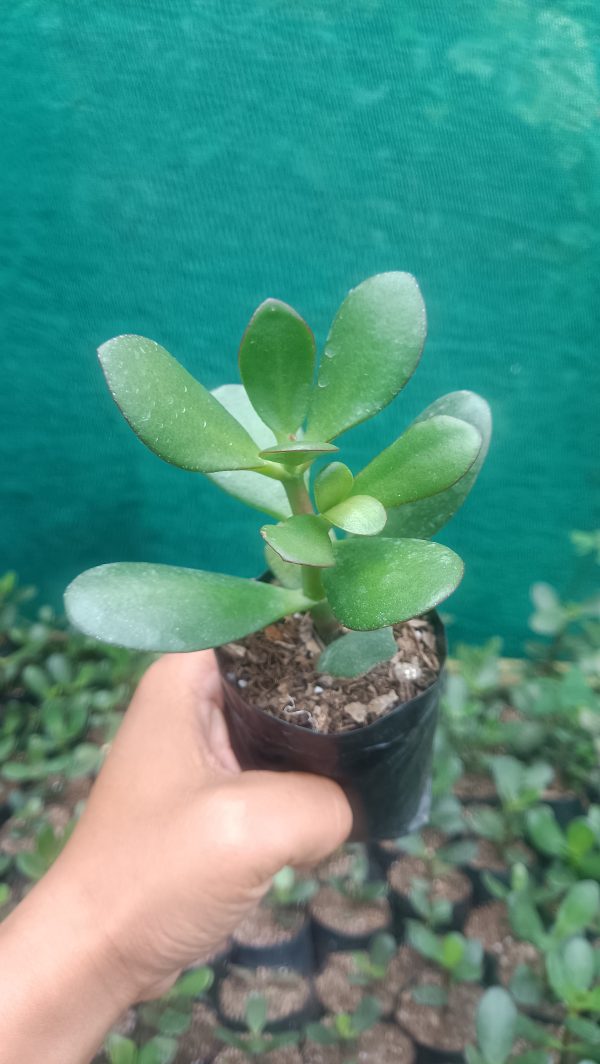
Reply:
x=166 y=165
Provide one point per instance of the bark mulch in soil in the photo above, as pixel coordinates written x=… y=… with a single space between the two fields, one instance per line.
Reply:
x=475 y=788
x=199 y=1043
x=262 y=927
x=448 y=1029
x=381 y=1044
x=337 y=993
x=276 y=671
x=490 y=924
x=286 y=993
x=335 y=911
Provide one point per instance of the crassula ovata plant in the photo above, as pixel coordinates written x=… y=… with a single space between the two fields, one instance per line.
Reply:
x=355 y=551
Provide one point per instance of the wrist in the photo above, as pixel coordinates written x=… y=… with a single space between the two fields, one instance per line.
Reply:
x=62 y=982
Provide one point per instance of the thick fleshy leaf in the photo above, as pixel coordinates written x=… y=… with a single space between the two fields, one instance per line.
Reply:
x=277 y=364
x=496 y=1025
x=577 y=909
x=255 y=489
x=378 y=582
x=360 y=514
x=297 y=452
x=286 y=573
x=333 y=484
x=373 y=348
x=425 y=517
x=303 y=539
x=170 y=411
x=429 y=457
x=161 y=607
x=356 y=652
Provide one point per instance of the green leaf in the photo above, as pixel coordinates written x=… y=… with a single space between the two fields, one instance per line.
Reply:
x=425 y=517
x=357 y=652
x=286 y=573
x=496 y=1025
x=487 y=822
x=170 y=411
x=580 y=838
x=372 y=350
x=377 y=582
x=193 y=983
x=256 y=1013
x=382 y=949
x=428 y=458
x=525 y=920
x=577 y=909
x=158 y=1050
x=254 y=489
x=121 y=1050
x=333 y=484
x=544 y=831
x=31 y=865
x=570 y=968
x=423 y=940
x=508 y=777
x=361 y=515
x=303 y=539
x=160 y=607
x=453 y=949
x=321 y=1035
x=430 y=995
x=367 y=1013
x=297 y=452
x=587 y=1030
x=277 y=364
x=526 y=986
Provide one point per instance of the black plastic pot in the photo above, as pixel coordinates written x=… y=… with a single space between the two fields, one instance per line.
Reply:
x=565 y=808
x=328 y=940
x=384 y=768
x=296 y=953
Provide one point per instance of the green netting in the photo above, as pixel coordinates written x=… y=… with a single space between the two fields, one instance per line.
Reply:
x=167 y=165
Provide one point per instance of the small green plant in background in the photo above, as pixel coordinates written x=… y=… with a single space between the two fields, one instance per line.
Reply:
x=48 y=843
x=576 y=849
x=346 y=1028
x=171 y=1015
x=435 y=912
x=256 y=1041
x=259 y=441
x=289 y=893
x=121 y=1050
x=372 y=965
x=357 y=885
x=519 y=787
x=459 y=959
x=497 y=1025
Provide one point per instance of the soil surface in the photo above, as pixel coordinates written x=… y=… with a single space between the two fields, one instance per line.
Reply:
x=489 y=924
x=334 y=910
x=276 y=671
x=286 y=1055
x=382 y=1044
x=198 y=1044
x=266 y=927
x=474 y=788
x=337 y=992
x=452 y=886
x=285 y=992
x=490 y=857
x=449 y=1029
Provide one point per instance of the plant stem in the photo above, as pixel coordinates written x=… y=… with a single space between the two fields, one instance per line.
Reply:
x=325 y=623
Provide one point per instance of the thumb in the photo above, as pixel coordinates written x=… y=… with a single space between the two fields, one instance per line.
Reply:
x=293 y=818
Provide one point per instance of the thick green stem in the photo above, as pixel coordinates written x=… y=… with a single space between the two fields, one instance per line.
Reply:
x=312 y=584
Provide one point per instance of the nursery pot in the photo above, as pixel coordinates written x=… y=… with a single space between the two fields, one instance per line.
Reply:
x=384 y=768
x=296 y=953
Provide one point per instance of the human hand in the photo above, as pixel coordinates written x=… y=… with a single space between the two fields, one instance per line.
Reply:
x=174 y=847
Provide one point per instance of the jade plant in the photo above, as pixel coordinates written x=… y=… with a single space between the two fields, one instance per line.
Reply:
x=458 y=959
x=354 y=551
x=255 y=1042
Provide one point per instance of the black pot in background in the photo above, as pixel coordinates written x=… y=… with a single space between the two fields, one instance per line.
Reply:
x=328 y=940
x=565 y=808
x=384 y=768
x=296 y=953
